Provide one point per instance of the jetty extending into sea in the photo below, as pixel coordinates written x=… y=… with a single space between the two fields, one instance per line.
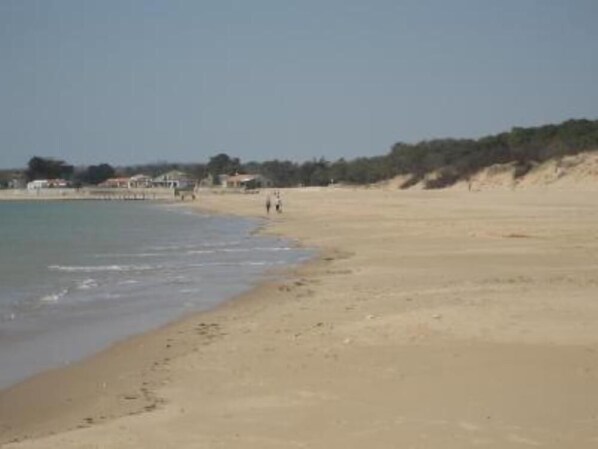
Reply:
x=92 y=193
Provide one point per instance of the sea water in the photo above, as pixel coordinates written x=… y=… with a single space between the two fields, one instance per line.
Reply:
x=77 y=276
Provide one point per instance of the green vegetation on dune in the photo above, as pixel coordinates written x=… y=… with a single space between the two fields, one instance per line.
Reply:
x=454 y=160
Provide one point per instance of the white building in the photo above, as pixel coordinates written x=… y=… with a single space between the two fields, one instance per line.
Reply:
x=247 y=181
x=174 y=180
x=140 y=181
x=38 y=184
x=48 y=184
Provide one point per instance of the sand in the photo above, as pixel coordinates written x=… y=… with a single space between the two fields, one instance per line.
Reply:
x=443 y=319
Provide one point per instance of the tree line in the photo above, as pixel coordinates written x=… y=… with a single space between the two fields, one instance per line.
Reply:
x=451 y=160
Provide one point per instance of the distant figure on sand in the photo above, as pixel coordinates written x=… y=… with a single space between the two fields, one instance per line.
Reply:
x=268 y=204
x=278 y=205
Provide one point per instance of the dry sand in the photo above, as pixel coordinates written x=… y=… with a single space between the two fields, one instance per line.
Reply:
x=445 y=319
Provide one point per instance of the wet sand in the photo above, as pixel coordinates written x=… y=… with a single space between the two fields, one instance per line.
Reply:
x=432 y=319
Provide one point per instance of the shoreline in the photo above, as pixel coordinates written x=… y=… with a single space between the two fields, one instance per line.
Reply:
x=108 y=385
x=122 y=398
x=429 y=319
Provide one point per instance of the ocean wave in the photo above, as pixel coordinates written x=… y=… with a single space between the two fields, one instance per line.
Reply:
x=193 y=246
x=256 y=249
x=110 y=255
x=200 y=251
x=221 y=244
x=100 y=268
x=87 y=284
x=54 y=297
x=216 y=249
x=169 y=247
x=233 y=264
x=192 y=250
x=128 y=282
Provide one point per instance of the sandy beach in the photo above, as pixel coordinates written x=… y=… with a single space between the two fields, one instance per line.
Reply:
x=431 y=319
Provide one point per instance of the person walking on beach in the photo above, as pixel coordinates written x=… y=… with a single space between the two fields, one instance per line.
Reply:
x=278 y=204
x=268 y=204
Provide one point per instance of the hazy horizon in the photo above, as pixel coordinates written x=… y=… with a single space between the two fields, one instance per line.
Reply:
x=136 y=82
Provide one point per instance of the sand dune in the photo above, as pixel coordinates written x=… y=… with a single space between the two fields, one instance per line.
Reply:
x=579 y=171
x=432 y=319
x=569 y=172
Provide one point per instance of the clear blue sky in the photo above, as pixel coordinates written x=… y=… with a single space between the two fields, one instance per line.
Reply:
x=131 y=81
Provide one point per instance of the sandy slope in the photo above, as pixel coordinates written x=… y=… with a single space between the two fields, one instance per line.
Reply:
x=578 y=171
x=434 y=319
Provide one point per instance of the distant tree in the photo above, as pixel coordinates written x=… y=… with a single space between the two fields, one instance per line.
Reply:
x=338 y=171
x=4 y=179
x=47 y=168
x=367 y=170
x=223 y=164
x=282 y=173
x=320 y=175
x=314 y=173
x=251 y=167
x=197 y=171
x=96 y=174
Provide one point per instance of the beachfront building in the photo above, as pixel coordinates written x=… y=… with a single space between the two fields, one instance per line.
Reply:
x=140 y=182
x=37 y=184
x=48 y=184
x=174 y=180
x=247 y=181
x=115 y=183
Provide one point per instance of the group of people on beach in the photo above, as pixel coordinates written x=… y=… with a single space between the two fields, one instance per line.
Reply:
x=277 y=202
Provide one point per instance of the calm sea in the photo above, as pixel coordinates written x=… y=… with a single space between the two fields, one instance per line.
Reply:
x=76 y=276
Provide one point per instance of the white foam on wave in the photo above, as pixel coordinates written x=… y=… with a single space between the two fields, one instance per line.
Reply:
x=87 y=284
x=100 y=268
x=255 y=249
x=200 y=251
x=54 y=297
x=128 y=282
x=194 y=251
